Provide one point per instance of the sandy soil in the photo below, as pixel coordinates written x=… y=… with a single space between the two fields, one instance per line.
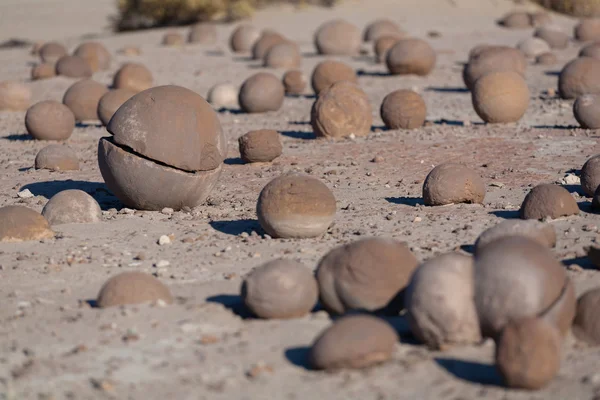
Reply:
x=53 y=345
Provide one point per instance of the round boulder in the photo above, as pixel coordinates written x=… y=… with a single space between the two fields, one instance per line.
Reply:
x=110 y=103
x=132 y=288
x=262 y=92
x=411 y=57
x=49 y=120
x=451 y=183
x=133 y=76
x=72 y=207
x=338 y=37
x=403 y=109
x=19 y=224
x=57 y=157
x=548 y=200
x=14 y=96
x=83 y=98
x=262 y=145
x=328 y=72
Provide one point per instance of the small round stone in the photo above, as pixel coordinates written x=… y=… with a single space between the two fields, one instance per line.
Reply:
x=173 y=39
x=110 y=103
x=263 y=145
x=355 y=341
x=295 y=206
x=262 y=92
x=133 y=76
x=383 y=45
x=132 y=288
x=95 y=54
x=580 y=76
x=403 y=109
x=540 y=232
x=500 y=97
x=451 y=183
x=49 y=120
x=223 y=95
x=528 y=353
x=328 y=72
x=591 y=50
x=546 y=59
x=586 y=110
x=43 y=71
x=555 y=38
x=586 y=326
x=283 y=55
x=266 y=42
x=57 y=157
x=540 y=18
x=533 y=47
x=587 y=30
x=280 y=289
x=379 y=28
x=516 y=20
x=338 y=37
x=72 y=207
x=243 y=38
x=73 y=67
x=83 y=98
x=14 y=96
x=369 y=274
x=590 y=175
x=439 y=302
x=515 y=277
x=19 y=224
x=203 y=33
x=294 y=82
x=548 y=200
x=341 y=110
x=486 y=59
x=51 y=52
x=411 y=57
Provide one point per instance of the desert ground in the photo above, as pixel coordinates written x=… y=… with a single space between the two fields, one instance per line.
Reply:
x=55 y=345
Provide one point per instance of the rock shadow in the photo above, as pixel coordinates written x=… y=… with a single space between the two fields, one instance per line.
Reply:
x=22 y=137
x=214 y=53
x=362 y=72
x=470 y=371
x=243 y=59
x=407 y=201
x=88 y=124
x=236 y=227
x=439 y=89
x=561 y=127
x=298 y=356
x=506 y=214
x=299 y=135
x=232 y=302
x=228 y=110
x=299 y=122
x=97 y=190
x=583 y=262
x=234 y=161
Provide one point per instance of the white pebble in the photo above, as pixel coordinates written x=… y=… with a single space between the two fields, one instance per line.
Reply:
x=25 y=194
x=164 y=239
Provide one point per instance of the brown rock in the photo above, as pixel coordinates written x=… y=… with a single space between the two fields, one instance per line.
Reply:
x=72 y=207
x=500 y=97
x=451 y=183
x=133 y=76
x=49 y=120
x=328 y=72
x=555 y=38
x=403 y=109
x=548 y=200
x=132 y=288
x=14 y=96
x=43 y=71
x=57 y=157
x=540 y=232
x=586 y=326
x=485 y=59
x=533 y=47
x=546 y=59
x=203 y=33
x=516 y=20
x=83 y=97
x=51 y=52
x=586 y=110
x=18 y=224
x=110 y=103
x=173 y=39
x=591 y=50
x=243 y=38
x=590 y=175
x=262 y=92
x=383 y=45
x=73 y=67
x=95 y=54
x=266 y=42
x=580 y=76
x=587 y=30
x=411 y=57
x=294 y=82
x=263 y=145
x=283 y=55
x=338 y=37
x=379 y=28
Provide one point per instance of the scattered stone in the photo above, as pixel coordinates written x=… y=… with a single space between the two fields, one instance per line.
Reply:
x=328 y=72
x=586 y=326
x=555 y=38
x=25 y=194
x=283 y=55
x=338 y=37
x=516 y=20
x=111 y=101
x=383 y=45
x=262 y=145
x=95 y=54
x=18 y=224
x=587 y=30
x=533 y=47
x=130 y=51
x=14 y=96
x=500 y=97
x=133 y=76
x=411 y=57
x=580 y=76
x=451 y=183
x=203 y=33
x=294 y=82
x=43 y=71
x=262 y=92
x=51 y=52
x=72 y=207
x=83 y=98
x=223 y=95
x=164 y=239
x=266 y=42
x=49 y=120
x=73 y=67
x=586 y=110
x=548 y=200
x=403 y=109
x=541 y=232
x=486 y=59
x=132 y=288
x=379 y=28
x=57 y=157
x=546 y=59
x=243 y=38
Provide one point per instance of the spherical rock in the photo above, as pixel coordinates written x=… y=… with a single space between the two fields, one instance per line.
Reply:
x=533 y=46
x=451 y=183
x=516 y=20
x=43 y=71
x=95 y=54
x=578 y=77
x=110 y=103
x=265 y=43
x=295 y=206
x=546 y=59
x=183 y=169
x=540 y=18
x=338 y=37
x=515 y=277
x=486 y=59
x=203 y=33
x=411 y=56
x=283 y=55
x=83 y=98
x=133 y=76
x=51 y=52
x=439 y=302
x=548 y=200
x=586 y=326
x=355 y=341
x=132 y=288
x=403 y=109
x=223 y=95
x=19 y=224
x=369 y=274
x=173 y=39
x=590 y=175
x=500 y=97
x=263 y=145
x=379 y=28
x=294 y=82
x=587 y=111
x=14 y=96
x=555 y=38
x=341 y=110
x=540 y=232
x=328 y=72
x=243 y=38
x=591 y=50
x=383 y=45
x=262 y=92
x=587 y=30
x=72 y=207
x=49 y=120
x=57 y=157
x=73 y=67
x=528 y=353
x=280 y=289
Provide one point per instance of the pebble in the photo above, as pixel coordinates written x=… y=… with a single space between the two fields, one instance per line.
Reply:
x=167 y=211
x=570 y=179
x=164 y=239
x=25 y=194
x=162 y=264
